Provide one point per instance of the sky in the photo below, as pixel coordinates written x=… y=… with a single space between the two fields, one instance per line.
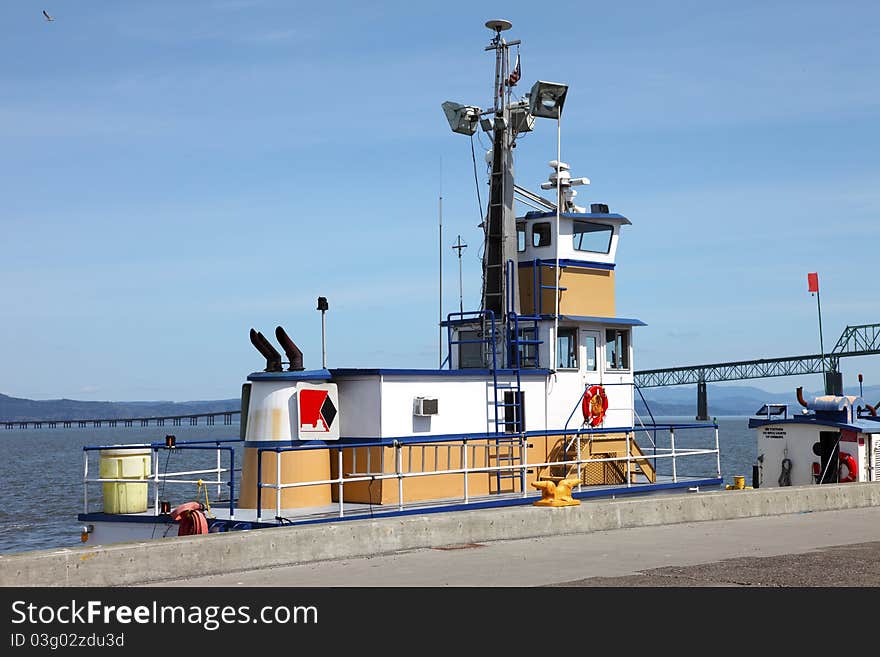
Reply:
x=173 y=174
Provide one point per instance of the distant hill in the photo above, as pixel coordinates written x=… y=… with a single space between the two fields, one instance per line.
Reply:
x=15 y=408
x=729 y=400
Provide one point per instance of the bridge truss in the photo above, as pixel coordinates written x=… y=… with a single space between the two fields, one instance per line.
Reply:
x=863 y=340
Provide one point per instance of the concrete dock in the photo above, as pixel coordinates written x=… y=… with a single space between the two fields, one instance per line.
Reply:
x=812 y=536
x=825 y=548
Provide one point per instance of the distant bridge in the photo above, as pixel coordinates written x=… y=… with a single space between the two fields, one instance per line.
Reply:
x=862 y=340
x=192 y=419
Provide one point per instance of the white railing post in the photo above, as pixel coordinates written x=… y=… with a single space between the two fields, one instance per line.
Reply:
x=397 y=465
x=156 y=480
x=339 y=474
x=259 y=484
x=464 y=466
x=628 y=462
x=580 y=476
x=672 y=444
x=219 y=467
x=85 y=483
x=717 y=451
x=524 y=461
x=277 y=485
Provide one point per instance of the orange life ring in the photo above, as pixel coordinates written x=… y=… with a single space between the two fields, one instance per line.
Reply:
x=192 y=520
x=851 y=466
x=594 y=404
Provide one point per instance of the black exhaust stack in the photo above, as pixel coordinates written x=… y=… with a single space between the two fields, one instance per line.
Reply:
x=294 y=355
x=273 y=358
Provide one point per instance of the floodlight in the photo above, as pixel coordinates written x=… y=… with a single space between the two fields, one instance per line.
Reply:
x=546 y=99
x=462 y=119
x=520 y=119
x=486 y=125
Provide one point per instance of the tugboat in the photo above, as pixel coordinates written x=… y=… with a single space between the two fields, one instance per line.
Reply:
x=536 y=388
x=834 y=439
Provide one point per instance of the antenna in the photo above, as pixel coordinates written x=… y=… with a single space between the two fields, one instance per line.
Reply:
x=458 y=246
x=440 y=265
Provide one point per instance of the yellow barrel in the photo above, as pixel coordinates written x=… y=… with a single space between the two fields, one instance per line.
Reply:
x=125 y=464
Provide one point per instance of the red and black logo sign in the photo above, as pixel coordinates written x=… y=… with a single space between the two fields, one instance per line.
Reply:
x=316 y=410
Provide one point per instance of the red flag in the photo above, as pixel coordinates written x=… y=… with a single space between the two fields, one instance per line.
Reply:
x=813 y=282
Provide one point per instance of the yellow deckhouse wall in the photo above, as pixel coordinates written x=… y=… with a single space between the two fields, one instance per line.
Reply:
x=585 y=291
x=296 y=466
x=426 y=458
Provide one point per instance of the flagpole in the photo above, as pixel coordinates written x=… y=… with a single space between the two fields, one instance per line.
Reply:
x=821 y=341
x=813 y=286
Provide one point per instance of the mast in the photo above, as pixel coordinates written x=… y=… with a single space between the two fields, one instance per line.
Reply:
x=500 y=283
x=500 y=289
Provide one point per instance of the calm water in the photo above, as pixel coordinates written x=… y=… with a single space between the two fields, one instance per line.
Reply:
x=41 y=472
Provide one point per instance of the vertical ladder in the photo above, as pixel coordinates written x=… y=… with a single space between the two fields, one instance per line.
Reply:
x=509 y=427
x=507 y=396
x=493 y=266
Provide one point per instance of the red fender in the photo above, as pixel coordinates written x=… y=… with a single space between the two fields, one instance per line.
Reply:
x=851 y=467
x=192 y=520
x=594 y=405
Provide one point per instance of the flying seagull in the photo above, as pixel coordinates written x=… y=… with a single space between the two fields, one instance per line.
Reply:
x=48 y=17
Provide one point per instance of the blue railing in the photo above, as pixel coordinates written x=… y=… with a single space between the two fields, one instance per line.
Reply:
x=464 y=318
x=538 y=286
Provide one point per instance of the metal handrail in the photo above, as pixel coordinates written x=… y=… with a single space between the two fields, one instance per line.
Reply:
x=399 y=474
x=216 y=445
x=476 y=315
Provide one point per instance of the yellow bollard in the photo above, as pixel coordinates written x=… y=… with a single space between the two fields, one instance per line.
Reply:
x=739 y=483
x=556 y=494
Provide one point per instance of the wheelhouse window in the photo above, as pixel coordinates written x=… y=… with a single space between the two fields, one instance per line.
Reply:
x=566 y=349
x=470 y=350
x=541 y=234
x=595 y=238
x=590 y=343
x=520 y=238
x=617 y=349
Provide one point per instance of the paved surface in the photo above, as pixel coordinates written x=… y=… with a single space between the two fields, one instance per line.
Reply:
x=829 y=548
